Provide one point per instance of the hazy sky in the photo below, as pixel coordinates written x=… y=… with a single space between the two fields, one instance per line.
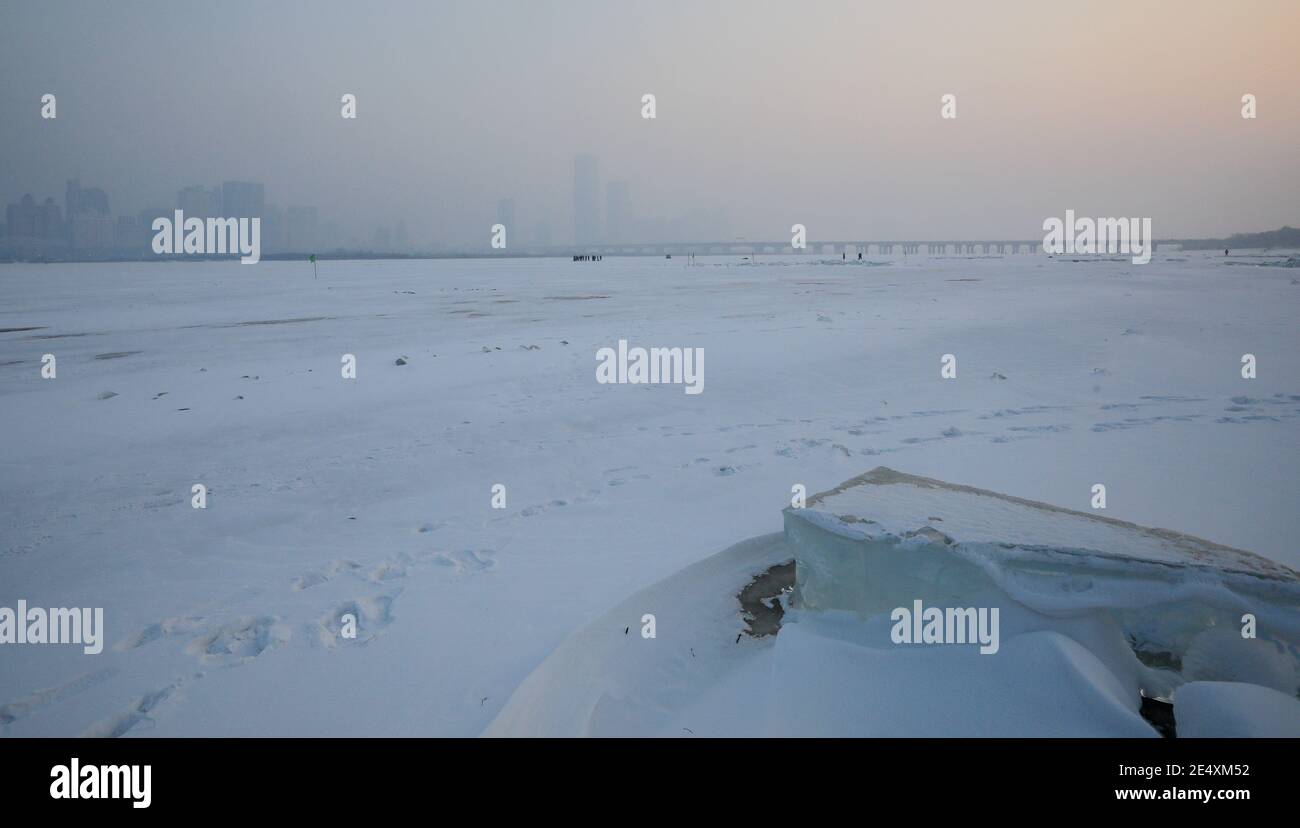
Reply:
x=819 y=111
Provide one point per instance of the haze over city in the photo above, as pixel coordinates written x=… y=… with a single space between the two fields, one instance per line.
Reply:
x=825 y=113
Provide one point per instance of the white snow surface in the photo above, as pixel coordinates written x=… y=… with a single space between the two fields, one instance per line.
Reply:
x=373 y=496
x=1221 y=710
x=825 y=674
x=1065 y=657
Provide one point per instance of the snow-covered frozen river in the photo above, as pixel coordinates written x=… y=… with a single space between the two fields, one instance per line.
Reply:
x=373 y=495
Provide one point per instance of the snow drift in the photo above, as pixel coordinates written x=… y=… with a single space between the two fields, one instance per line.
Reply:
x=1096 y=614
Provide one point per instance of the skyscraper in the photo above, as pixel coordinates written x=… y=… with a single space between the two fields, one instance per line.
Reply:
x=199 y=202
x=29 y=220
x=88 y=223
x=586 y=200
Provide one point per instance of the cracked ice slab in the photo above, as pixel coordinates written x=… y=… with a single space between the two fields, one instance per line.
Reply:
x=885 y=538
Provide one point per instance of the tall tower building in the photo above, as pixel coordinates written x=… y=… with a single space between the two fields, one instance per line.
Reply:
x=199 y=202
x=586 y=200
x=72 y=201
x=88 y=222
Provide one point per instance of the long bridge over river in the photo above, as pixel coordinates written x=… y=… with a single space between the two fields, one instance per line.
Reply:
x=848 y=249
x=838 y=248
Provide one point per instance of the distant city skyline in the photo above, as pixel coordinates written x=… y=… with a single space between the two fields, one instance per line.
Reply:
x=826 y=114
x=84 y=222
x=85 y=227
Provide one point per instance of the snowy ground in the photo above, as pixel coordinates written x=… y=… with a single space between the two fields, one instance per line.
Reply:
x=329 y=495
